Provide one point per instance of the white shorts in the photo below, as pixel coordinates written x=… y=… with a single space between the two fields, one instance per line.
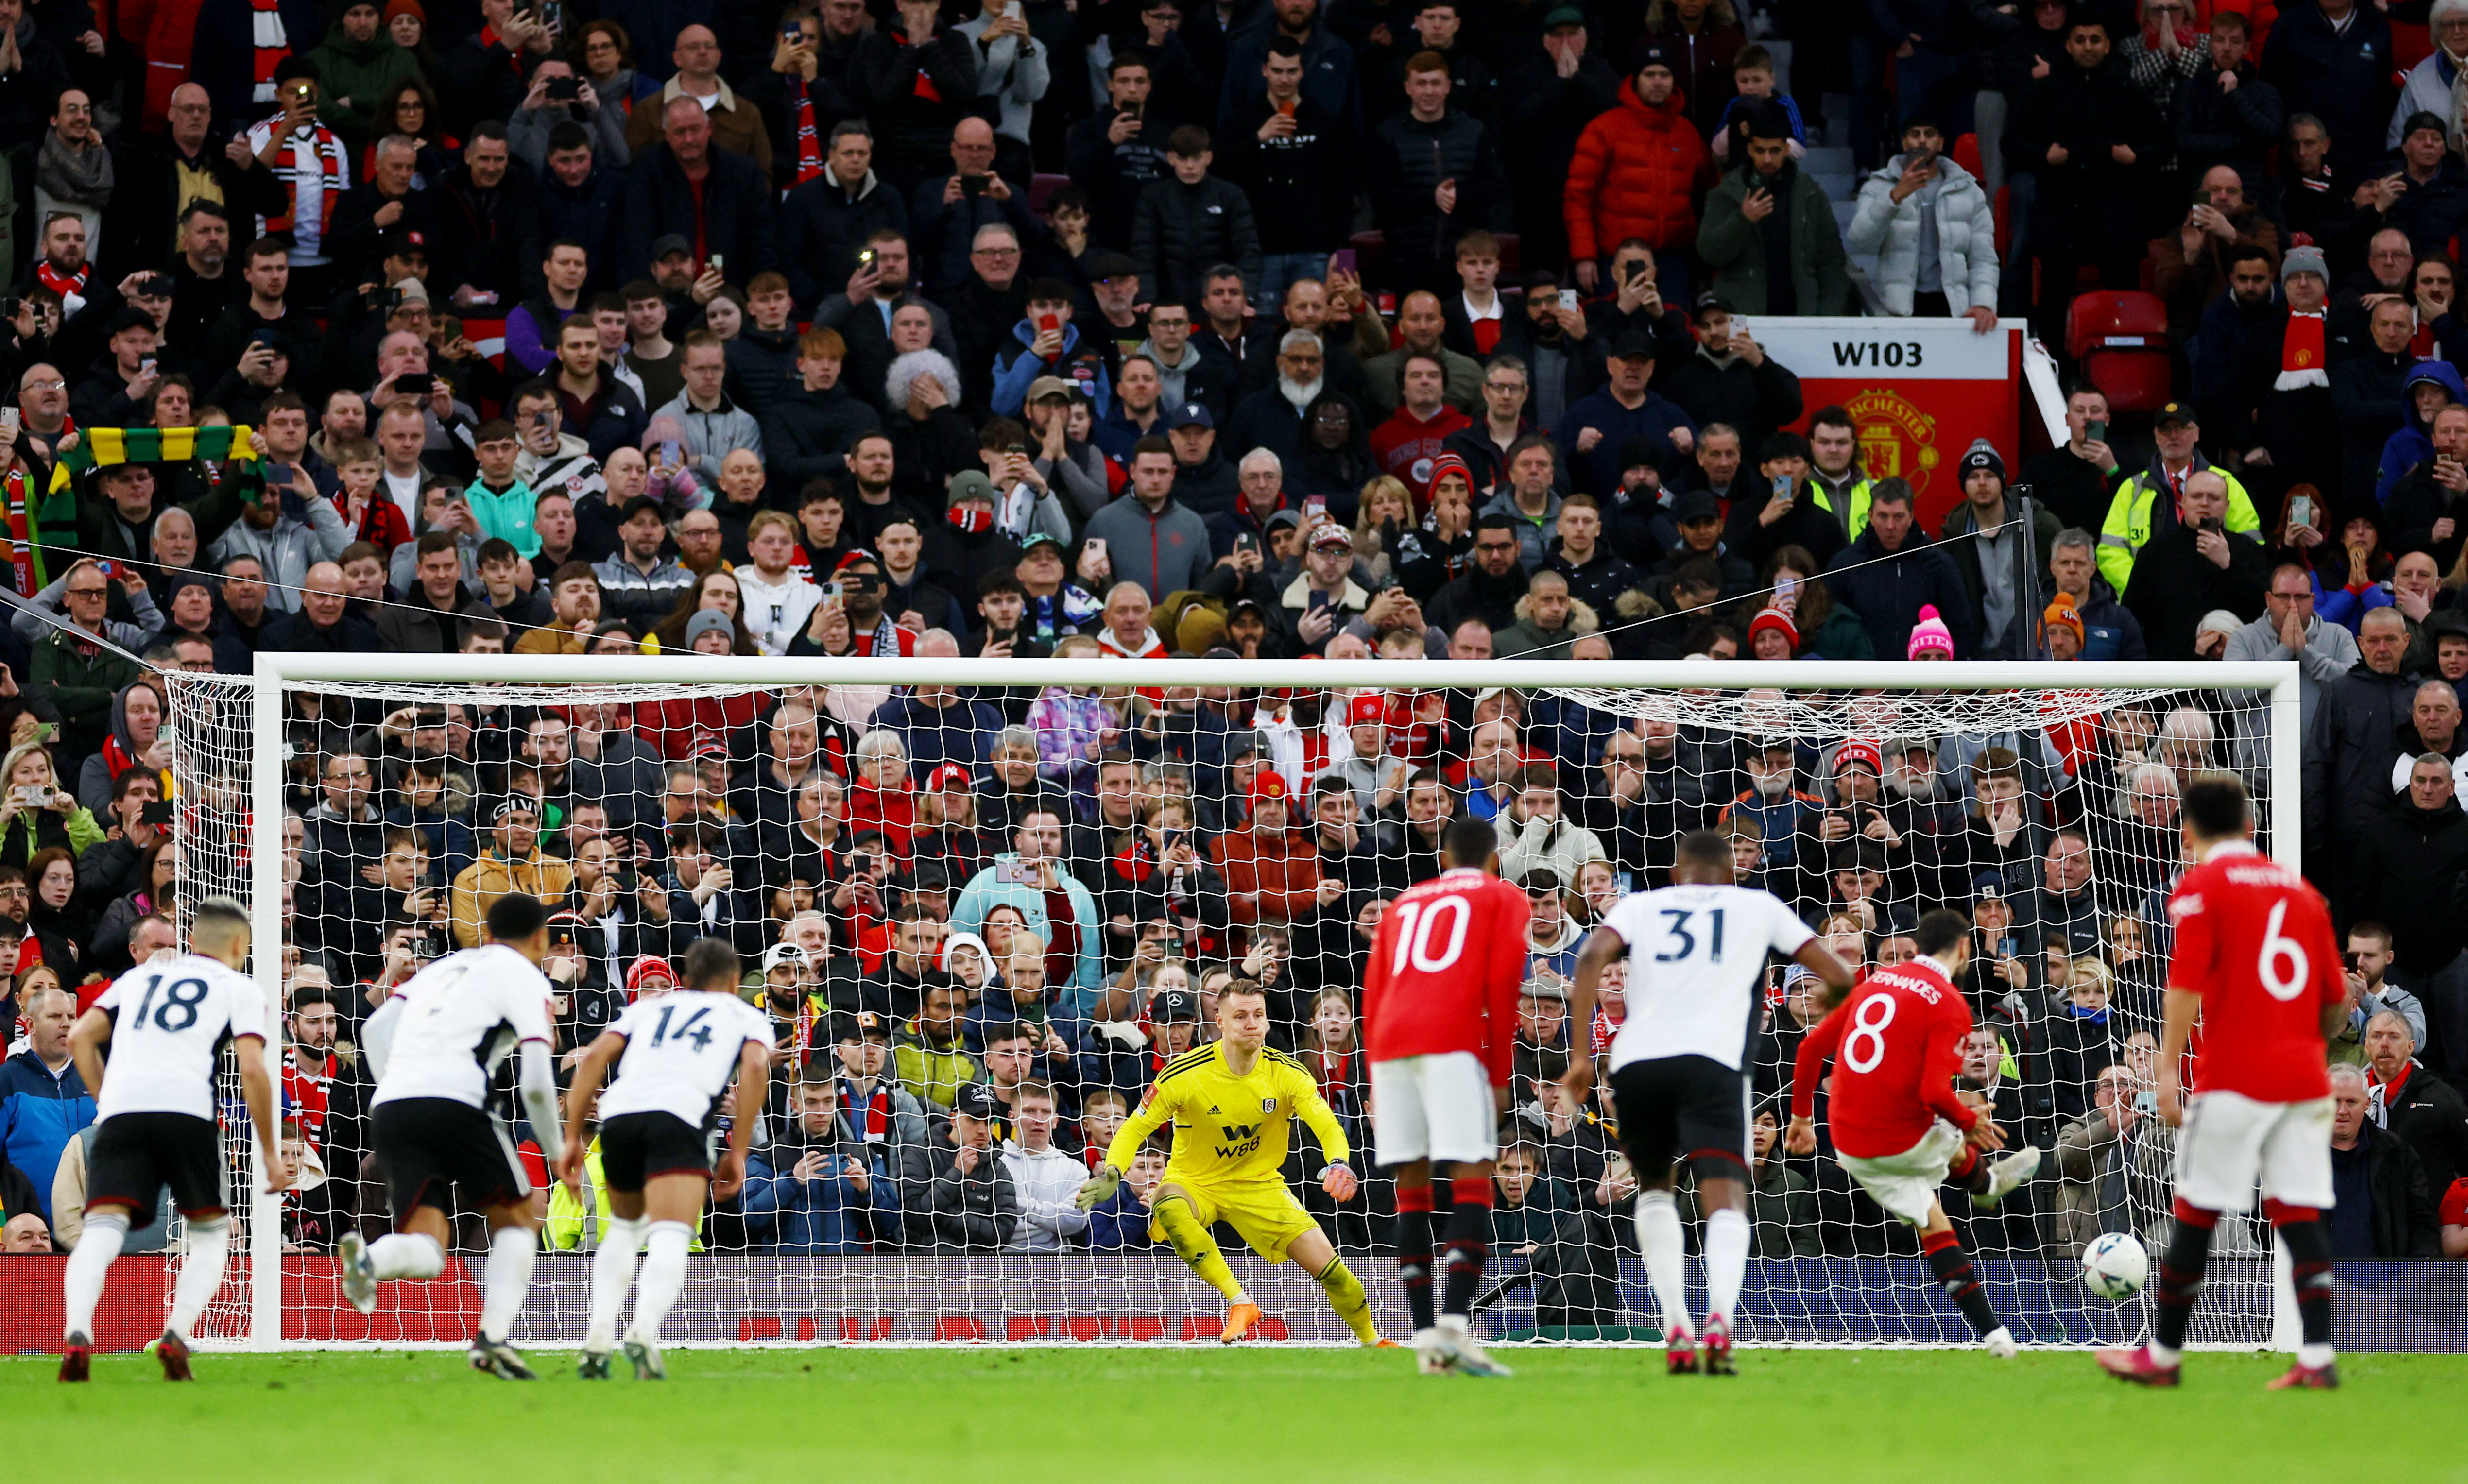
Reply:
x=2229 y=1140
x=1436 y=1106
x=1907 y=1183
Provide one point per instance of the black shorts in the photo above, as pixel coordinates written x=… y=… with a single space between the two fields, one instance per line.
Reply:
x=424 y=1146
x=136 y=1154
x=634 y=1147
x=1682 y=1107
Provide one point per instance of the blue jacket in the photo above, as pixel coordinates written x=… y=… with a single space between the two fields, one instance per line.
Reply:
x=1121 y=1223
x=2414 y=444
x=1016 y=371
x=962 y=732
x=1598 y=472
x=39 y=1113
x=984 y=893
x=821 y=1216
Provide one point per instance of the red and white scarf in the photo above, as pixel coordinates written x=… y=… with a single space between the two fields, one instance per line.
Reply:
x=271 y=44
x=810 y=142
x=2302 y=361
x=332 y=165
x=62 y=284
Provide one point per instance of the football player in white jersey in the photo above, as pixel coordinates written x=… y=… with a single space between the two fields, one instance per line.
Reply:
x=675 y=1055
x=165 y=1023
x=434 y=1045
x=1696 y=978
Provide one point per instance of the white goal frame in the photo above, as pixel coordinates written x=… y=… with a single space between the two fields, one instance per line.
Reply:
x=275 y=672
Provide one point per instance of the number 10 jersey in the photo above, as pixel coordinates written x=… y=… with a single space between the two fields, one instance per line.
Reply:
x=1695 y=970
x=681 y=1049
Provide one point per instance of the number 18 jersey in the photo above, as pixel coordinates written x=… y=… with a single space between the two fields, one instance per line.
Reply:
x=168 y=1022
x=682 y=1050
x=1696 y=968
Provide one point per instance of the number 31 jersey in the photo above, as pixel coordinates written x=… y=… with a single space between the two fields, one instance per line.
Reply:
x=681 y=1049
x=1695 y=970
x=168 y=1022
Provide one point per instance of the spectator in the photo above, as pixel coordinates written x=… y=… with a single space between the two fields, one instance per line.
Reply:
x=1893 y=571
x=2091 y=137
x=2347 y=752
x=714 y=198
x=1155 y=541
x=1790 y=508
x=2290 y=628
x=970 y=1202
x=2148 y=501
x=2000 y=560
x=2425 y=1112
x=1595 y=430
x=2407 y=859
x=1796 y=266
x=2386 y=1210
x=1932 y=231
x=1435 y=174
x=43 y=1101
x=1634 y=174
x=1191 y=221
x=824 y=1186
x=2222 y=113
x=1043 y=1176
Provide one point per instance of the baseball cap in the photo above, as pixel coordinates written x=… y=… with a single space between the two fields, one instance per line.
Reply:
x=1189 y=414
x=858 y=1025
x=1105 y=265
x=972 y=484
x=401 y=243
x=1329 y=535
x=950 y=775
x=1697 y=505
x=1174 y=1005
x=1045 y=387
x=976 y=1099
x=1862 y=753
x=1565 y=15
x=1635 y=342
x=662 y=246
x=780 y=954
x=2173 y=412
x=1037 y=539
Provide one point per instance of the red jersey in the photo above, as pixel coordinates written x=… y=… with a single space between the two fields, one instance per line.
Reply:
x=1896 y=1044
x=2455 y=1203
x=2254 y=941
x=1444 y=969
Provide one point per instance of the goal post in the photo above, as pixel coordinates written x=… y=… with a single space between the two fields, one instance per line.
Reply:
x=234 y=768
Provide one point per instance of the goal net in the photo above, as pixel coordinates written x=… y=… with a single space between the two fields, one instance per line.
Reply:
x=1037 y=875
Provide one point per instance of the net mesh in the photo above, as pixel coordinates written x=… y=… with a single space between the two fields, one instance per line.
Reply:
x=890 y=835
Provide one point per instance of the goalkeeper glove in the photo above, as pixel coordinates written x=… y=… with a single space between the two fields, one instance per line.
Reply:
x=1097 y=1187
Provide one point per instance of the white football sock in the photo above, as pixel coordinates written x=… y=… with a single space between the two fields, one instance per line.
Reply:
x=664 y=1278
x=1727 y=1261
x=1658 y=1239
x=202 y=1272
x=82 y=1279
x=506 y=1280
x=612 y=1276
x=405 y=1254
x=2315 y=1357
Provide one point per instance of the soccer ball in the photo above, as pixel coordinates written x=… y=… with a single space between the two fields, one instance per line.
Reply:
x=2115 y=1266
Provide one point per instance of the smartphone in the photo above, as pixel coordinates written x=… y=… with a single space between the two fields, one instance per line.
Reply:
x=1782 y=487
x=2147 y=1103
x=11 y=418
x=2095 y=431
x=154 y=285
x=793 y=35
x=1246 y=542
x=1134 y=110
x=629 y=880
x=112 y=571
x=717 y=263
x=972 y=185
x=835 y=590
x=1786 y=591
x=1097 y=546
x=419 y=383
x=2213 y=524
x=2005 y=948
x=2301 y=511
x=1315 y=511
x=304 y=93
x=158 y=812
x=1345 y=261
x=1569 y=299
x=1014 y=873
x=865 y=259
x=1631 y=270
x=673 y=452
x=1172 y=837
x=1049 y=324
x=146 y=366
x=565 y=89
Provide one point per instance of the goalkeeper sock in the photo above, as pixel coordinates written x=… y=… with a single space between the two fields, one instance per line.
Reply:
x=1726 y=1262
x=202 y=1272
x=664 y=1278
x=88 y=1263
x=612 y=1274
x=2309 y=1262
x=406 y=1254
x=1961 y=1280
x=506 y=1280
x=2180 y=1280
x=1197 y=1248
x=1468 y=1244
x=1666 y=1257
x=1414 y=1251
x=1346 y=1295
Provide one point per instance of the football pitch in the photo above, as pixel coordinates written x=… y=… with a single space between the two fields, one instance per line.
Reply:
x=1014 y=1416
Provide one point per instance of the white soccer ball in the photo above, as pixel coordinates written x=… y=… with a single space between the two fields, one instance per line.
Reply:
x=2115 y=1266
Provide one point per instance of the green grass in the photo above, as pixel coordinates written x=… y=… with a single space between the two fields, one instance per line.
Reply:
x=1125 y=1417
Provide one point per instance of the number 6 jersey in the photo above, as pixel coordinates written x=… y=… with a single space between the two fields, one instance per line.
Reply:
x=2253 y=939
x=1695 y=970
x=168 y=1022
x=682 y=1050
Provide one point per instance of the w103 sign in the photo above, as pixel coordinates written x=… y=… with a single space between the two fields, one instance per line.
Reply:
x=1918 y=392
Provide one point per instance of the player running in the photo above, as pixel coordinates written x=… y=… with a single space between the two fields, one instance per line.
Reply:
x=2256 y=958
x=1697 y=962
x=1439 y=1016
x=658 y=1123
x=435 y=1045
x=1899 y=1127
x=165 y=1023
x=1232 y=1104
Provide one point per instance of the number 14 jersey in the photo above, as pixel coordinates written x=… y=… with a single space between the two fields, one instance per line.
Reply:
x=681 y=1049
x=1695 y=970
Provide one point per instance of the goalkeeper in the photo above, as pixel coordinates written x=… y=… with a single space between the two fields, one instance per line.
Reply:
x=1232 y=1105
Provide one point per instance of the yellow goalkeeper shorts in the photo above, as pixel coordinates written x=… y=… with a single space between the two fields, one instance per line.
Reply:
x=1265 y=1212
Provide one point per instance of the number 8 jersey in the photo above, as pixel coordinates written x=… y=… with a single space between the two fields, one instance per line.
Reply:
x=681 y=1049
x=1695 y=970
x=168 y=1022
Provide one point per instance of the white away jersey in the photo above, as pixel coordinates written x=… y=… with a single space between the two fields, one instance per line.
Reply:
x=460 y=1018
x=1696 y=968
x=680 y=1051
x=168 y=1022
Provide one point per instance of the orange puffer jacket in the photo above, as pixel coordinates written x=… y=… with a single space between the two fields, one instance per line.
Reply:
x=1632 y=176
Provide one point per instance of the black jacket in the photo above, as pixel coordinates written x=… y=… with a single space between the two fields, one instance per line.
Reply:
x=2342 y=77
x=823 y=228
x=2087 y=113
x=140 y=225
x=912 y=125
x=1887 y=589
x=485 y=237
x=971 y=1212
x=2402 y=1202
x=1475 y=595
x=353 y=240
x=2174 y=585
x=2367 y=393
x=1301 y=186
x=808 y=434
x=2348 y=754
x=737 y=214
x=1115 y=174
x=983 y=318
x=1178 y=232
x=1755 y=399
x=2408 y=862
x=2416 y=502
x=1406 y=160
x=589 y=214
x=2235 y=128
x=2428 y=1114
x=484 y=83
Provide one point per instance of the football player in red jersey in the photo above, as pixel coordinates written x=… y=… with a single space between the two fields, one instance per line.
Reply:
x=2256 y=959
x=1899 y=1127
x=1439 y=1022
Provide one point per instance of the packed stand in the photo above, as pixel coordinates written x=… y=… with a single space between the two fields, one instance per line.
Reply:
x=578 y=331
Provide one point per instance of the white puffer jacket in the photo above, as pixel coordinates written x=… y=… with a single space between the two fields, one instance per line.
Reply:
x=1966 y=239
x=1046 y=1179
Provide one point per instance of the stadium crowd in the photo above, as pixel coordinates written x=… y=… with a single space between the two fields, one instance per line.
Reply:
x=1416 y=330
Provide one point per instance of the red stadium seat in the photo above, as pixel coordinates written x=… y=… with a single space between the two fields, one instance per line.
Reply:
x=2121 y=342
x=1042 y=189
x=1965 y=154
x=2411 y=42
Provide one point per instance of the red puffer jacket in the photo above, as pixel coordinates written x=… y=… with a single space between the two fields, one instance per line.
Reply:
x=1632 y=175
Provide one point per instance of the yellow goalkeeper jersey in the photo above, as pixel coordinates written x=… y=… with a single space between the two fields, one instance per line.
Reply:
x=1229 y=1130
